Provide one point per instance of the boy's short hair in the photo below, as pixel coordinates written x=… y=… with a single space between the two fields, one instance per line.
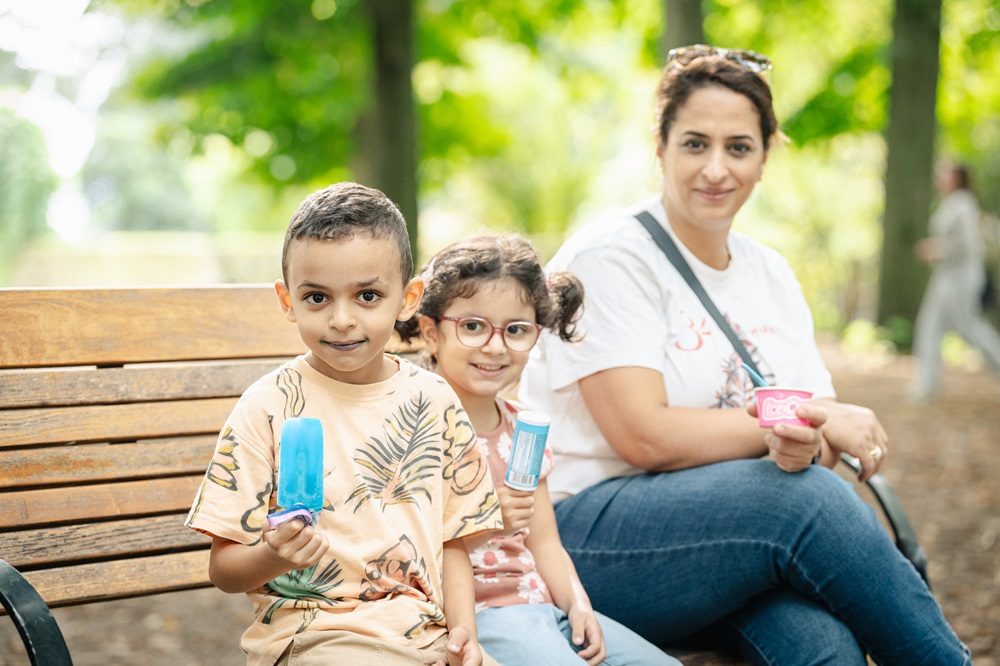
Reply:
x=343 y=210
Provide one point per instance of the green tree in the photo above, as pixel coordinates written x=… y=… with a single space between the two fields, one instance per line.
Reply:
x=26 y=181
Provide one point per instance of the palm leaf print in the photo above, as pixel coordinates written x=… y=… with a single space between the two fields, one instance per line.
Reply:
x=304 y=588
x=398 y=464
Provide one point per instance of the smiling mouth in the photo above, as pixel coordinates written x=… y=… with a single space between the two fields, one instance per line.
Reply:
x=493 y=369
x=344 y=346
x=714 y=194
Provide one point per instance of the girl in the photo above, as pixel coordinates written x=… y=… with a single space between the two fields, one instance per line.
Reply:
x=486 y=301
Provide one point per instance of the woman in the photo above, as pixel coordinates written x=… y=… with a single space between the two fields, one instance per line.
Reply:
x=952 y=299
x=675 y=523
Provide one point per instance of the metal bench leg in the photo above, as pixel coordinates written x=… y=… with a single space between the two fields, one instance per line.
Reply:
x=906 y=538
x=41 y=635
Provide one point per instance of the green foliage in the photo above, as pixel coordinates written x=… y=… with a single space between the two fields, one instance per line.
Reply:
x=26 y=181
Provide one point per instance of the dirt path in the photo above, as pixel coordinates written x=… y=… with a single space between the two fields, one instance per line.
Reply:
x=944 y=465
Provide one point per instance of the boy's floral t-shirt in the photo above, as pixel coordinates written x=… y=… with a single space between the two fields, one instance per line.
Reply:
x=503 y=567
x=403 y=473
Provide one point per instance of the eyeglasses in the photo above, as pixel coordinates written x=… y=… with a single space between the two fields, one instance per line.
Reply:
x=476 y=332
x=685 y=55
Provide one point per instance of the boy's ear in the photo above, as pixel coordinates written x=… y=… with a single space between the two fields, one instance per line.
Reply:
x=284 y=299
x=412 y=293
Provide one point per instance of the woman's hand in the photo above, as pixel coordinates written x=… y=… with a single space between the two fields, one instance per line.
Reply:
x=516 y=507
x=586 y=632
x=856 y=431
x=794 y=447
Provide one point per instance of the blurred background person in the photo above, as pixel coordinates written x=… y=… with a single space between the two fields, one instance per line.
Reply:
x=952 y=301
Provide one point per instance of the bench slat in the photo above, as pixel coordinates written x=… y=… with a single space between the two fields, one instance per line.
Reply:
x=83 y=503
x=52 y=425
x=90 y=386
x=90 y=541
x=53 y=327
x=101 y=462
x=120 y=579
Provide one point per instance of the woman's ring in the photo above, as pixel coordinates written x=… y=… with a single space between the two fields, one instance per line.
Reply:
x=876 y=453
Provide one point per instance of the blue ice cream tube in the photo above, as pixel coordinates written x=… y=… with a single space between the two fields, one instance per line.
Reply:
x=527 y=451
x=300 y=471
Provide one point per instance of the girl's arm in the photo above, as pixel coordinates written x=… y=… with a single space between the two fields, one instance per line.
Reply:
x=460 y=605
x=632 y=410
x=235 y=567
x=556 y=569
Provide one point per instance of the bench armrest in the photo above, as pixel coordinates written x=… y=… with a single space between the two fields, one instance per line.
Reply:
x=39 y=632
x=906 y=538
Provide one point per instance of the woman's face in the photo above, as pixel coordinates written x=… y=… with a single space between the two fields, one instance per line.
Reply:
x=713 y=156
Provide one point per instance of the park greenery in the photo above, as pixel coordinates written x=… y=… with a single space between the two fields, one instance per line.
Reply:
x=530 y=116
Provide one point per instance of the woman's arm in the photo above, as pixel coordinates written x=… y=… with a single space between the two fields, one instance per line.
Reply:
x=460 y=605
x=556 y=569
x=235 y=567
x=632 y=410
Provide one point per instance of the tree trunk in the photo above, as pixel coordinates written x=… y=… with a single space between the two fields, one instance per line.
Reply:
x=394 y=129
x=909 y=163
x=683 y=22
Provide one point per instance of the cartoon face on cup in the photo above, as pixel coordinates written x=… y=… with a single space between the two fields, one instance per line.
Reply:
x=777 y=404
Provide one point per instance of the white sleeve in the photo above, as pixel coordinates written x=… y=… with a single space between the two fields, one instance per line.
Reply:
x=624 y=321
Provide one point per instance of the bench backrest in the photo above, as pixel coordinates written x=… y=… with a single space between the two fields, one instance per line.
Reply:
x=110 y=404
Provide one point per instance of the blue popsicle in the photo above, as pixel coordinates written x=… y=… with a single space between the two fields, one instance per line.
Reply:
x=300 y=471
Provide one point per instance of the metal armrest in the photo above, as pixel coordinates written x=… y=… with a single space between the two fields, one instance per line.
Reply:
x=39 y=632
x=906 y=538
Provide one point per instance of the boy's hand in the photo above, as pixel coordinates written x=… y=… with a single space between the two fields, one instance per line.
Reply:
x=516 y=507
x=296 y=544
x=587 y=633
x=462 y=650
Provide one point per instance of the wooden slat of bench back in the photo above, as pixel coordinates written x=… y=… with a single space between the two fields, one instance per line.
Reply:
x=89 y=463
x=45 y=328
x=34 y=548
x=119 y=579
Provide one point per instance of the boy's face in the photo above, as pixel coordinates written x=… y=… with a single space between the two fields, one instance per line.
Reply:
x=345 y=297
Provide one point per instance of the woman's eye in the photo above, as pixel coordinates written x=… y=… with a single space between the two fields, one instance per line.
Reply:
x=740 y=148
x=368 y=296
x=316 y=299
x=694 y=144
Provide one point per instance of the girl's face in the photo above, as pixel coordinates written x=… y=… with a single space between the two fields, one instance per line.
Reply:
x=712 y=158
x=479 y=374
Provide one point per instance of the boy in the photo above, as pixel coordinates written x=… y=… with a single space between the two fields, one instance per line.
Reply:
x=404 y=479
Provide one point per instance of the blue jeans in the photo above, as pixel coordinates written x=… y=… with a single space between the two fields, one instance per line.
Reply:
x=529 y=634
x=794 y=567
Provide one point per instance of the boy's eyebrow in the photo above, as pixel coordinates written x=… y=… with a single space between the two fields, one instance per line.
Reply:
x=360 y=284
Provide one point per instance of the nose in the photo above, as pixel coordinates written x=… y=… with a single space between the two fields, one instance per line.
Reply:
x=341 y=317
x=495 y=344
x=716 y=168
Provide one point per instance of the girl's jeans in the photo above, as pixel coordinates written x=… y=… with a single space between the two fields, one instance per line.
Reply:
x=528 y=634
x=795 y=566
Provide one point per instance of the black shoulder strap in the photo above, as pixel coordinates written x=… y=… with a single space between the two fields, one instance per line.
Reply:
x=669 y=248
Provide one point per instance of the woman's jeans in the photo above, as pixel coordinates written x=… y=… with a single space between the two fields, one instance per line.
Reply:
x=795 y=566
x=529 y=634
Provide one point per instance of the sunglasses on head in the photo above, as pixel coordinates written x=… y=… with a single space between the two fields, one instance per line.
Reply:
x=753 y=61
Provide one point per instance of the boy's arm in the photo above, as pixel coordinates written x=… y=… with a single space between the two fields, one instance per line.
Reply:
x=235 y=567
x=460 y=605
x=556 y=569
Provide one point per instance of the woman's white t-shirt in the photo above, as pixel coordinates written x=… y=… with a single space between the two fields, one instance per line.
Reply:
x=639 y=312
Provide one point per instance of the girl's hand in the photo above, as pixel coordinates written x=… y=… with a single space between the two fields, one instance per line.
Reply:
x=857 y=432
x=516 y=507
x=794 y=447
x=587 y=633
x=296 y=544
x=462 y=650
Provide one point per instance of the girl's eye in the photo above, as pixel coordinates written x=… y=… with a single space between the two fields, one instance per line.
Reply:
x=315 y=299
x=368 y=296
x=472 y=325
x=517 y=329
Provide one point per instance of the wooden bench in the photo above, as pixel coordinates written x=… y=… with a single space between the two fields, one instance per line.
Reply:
x=110 y=404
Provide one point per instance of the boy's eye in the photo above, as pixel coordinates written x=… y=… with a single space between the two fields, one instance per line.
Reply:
x=315 y=299
x=368 y=296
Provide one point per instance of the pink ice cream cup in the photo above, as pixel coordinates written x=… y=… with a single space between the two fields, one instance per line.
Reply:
x=777 y=404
